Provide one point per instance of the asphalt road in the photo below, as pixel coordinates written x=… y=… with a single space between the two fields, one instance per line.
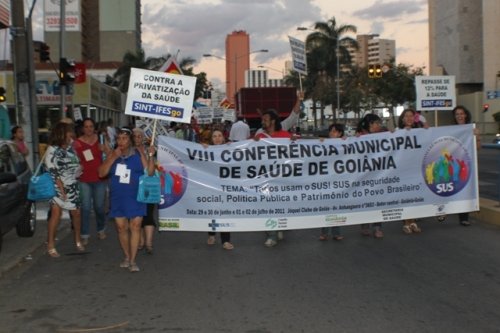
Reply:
x=488 y=160
x=446 y=279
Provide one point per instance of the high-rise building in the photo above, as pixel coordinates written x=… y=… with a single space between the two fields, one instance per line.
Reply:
x=103 y=30
x=255 y=78
x=373 y=50
x=4 y=14
x=237 y=61
x=463 y=41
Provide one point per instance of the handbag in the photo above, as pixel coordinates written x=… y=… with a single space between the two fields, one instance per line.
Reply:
x=149 y=189
x=41 y=186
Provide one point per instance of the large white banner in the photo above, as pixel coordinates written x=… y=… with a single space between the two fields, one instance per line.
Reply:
x=280 y=184
x=52 y=15
x=160 y=95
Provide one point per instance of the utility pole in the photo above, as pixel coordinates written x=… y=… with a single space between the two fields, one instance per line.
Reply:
x=24 y=77
x=62 y=28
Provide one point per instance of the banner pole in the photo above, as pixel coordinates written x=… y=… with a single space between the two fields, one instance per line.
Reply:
x=154 y=133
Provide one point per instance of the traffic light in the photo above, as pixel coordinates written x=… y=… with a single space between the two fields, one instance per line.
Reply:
x=66 y=71
x=44 y=52
x=2 y=95
x=371 y=71
x=378 y=71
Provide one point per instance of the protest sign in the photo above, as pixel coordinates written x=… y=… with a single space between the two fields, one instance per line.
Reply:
x=276 y=184
x=435 y=92
x=160 y=95
x=299 y=59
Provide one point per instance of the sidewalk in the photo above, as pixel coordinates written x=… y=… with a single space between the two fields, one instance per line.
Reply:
x=17 y=250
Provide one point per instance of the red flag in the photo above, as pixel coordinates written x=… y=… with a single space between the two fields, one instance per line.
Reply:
x=80 y=73
x=226 y=104
x=171 y=66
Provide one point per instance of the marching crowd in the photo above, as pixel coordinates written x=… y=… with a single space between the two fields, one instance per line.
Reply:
x=95 y=168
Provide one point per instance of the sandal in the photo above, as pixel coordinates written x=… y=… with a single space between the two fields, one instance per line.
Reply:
x=323 y=237
x=378 y=234
x=125 y=263
x=211 y=240
x=133 y=267
x=407 y=229
x=228 y=246
x=80 y=247
x=365 y=232
x=53 y=253
x=338 y=238
x=414 y=227
x=149 y=249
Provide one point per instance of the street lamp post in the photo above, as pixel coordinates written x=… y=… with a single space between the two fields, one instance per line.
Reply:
x=273 y=69
x=235 y=62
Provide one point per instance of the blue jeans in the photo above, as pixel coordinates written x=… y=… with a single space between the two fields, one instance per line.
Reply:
x=93 y=193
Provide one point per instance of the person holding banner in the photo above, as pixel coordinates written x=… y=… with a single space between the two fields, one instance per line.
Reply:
x=335 y=131
x=271 y=126
x=371 y=123
x=406 y=121
x=225 y=237
x=148 y=221
x=291 y=120
x=125 y=165
x=462 y=116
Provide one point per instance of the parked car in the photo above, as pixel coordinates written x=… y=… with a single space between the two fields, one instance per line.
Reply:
x=16 y=211
x=497 y=139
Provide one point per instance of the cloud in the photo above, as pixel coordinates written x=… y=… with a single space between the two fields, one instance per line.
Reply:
x=200 y=28
x=394 y=10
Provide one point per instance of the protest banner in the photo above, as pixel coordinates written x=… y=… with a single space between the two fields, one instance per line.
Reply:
x=275 y=184
x=160 y=95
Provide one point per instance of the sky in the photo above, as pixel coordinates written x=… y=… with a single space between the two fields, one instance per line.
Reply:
x=195 y=27
x=191 y=28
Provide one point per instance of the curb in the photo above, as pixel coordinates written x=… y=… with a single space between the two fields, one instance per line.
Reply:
x=489 y=212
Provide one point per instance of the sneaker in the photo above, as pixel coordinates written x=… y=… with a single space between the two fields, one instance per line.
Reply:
x=270 y=242
x=125 y=263
x=211 y=240
x=101 y=235
x=281 y=236
x=85 y=241
x=465 y=223
x=133 y=267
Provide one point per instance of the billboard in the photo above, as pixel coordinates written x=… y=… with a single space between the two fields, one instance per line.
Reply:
x=52 y=15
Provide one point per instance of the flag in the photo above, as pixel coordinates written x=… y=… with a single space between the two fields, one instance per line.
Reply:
x=80 y=73
x=226 y=104
x=171 y=66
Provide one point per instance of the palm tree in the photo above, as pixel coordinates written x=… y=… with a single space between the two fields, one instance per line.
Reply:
x=322 y=46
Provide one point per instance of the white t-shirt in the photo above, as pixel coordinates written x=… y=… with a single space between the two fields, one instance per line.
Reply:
x=239 y=131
